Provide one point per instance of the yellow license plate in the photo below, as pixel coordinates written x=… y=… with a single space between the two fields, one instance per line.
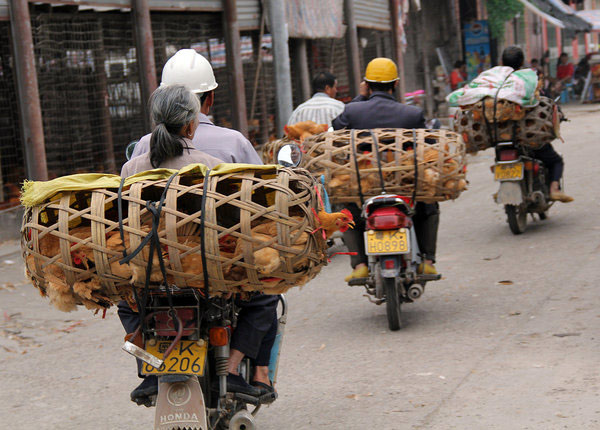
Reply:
x=508 y=172
x=387 y=241
x=188 y=357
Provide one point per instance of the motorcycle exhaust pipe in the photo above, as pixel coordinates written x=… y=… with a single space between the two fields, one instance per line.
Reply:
x=415 y=291
x=242 y=420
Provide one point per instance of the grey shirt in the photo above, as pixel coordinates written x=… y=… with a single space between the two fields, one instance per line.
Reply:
x=141 y=163
x=223 y=143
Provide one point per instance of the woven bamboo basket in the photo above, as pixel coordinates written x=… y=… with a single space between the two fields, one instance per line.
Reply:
x=346 y=159
x=539 y=126
x=72 y=244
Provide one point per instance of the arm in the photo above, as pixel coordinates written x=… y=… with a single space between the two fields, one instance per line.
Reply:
x=341 y=121
x=249 y=154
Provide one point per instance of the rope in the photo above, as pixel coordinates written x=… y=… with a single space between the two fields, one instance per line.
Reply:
x=202 y=235
x=416 y=163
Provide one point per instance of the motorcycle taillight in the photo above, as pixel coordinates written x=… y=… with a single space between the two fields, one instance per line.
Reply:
x=165 y=326
x=508 y=155
x=388 y=218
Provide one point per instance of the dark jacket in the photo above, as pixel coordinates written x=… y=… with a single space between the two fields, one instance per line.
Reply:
x=380 y=110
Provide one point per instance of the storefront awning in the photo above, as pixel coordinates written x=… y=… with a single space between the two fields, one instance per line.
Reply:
x=558 y=14
x=592 y=17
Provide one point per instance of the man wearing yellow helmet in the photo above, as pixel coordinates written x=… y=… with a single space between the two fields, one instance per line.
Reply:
x=376 y=107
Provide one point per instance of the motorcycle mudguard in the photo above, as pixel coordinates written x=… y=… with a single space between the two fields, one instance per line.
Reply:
x=180 y=405
x=510 y=193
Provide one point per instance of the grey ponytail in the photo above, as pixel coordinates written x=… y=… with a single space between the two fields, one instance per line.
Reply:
x=172 y=107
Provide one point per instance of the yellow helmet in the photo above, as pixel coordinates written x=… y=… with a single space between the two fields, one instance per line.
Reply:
x=382 y=70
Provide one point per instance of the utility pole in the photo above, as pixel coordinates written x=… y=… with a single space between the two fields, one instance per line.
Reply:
x=281 y=58
x=426 y=67
x=235 y=68
x=301 y=62
x=30 y=110
x=144 y=46
x=395 y=12
x=352 y=48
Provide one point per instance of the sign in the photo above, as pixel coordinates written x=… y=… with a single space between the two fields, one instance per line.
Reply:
x=477 y=48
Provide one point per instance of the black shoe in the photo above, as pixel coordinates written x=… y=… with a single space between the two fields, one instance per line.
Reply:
x=237 y=384
x=142 y=393
x=267 y=392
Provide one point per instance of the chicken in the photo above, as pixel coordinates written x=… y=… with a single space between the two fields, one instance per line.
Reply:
x=337 y=221
x=266 y=259
x=303 y=130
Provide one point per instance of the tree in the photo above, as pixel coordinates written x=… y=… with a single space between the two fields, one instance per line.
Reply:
x=499 y=12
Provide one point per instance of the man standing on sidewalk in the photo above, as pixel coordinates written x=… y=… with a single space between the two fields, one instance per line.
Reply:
x=322 y=107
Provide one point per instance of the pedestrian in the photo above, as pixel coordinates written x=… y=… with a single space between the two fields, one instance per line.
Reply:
x=257 y=321
x=564 y=69
x=322 y=107
x=458 y=76
x=376 y=107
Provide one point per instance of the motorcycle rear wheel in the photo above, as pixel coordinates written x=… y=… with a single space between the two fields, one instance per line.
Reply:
x=392 y=303
x=517 y=218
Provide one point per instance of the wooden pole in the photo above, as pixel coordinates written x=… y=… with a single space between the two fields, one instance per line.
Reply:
x=144 y=45
x=301 y=63
x=30 y=110
x=235 y=68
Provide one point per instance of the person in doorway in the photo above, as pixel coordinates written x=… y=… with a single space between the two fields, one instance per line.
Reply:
x=535 y=64
x=564 y=69
x=376 y=107
x=322 y=107
x=458 y=76
x=257 y=321
x=513 y=57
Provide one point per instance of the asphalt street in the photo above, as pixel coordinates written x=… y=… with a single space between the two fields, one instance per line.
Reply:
x=508 y=339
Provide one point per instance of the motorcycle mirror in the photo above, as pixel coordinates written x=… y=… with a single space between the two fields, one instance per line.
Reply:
x=130 y=148
x=289 y=155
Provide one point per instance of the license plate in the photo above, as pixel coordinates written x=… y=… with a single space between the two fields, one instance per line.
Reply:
x=508 y=172
x=380 y=242
x=188 y=357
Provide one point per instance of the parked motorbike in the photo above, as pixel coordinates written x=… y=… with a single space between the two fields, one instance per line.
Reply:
x=393 y=253
x=524 y=185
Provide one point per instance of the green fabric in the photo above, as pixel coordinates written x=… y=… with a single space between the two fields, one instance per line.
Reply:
x=37 y=192
x=515 y=86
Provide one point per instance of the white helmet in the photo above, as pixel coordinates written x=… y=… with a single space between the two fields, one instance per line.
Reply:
x=191 y=69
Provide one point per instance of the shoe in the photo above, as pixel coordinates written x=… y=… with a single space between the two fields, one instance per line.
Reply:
x=361 y=272
x=237 y=384
x=559 y=196
x=142 y=393
x=267 y=392
x=426 y=269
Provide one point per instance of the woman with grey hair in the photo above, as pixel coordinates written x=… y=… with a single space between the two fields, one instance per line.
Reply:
x=174 y=110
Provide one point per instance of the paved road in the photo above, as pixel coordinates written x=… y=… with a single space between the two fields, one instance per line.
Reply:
x=473 y=353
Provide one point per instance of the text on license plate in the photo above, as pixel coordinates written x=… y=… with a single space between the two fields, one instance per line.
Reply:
x=387 y=241
x=505 y=172
x=188 y=357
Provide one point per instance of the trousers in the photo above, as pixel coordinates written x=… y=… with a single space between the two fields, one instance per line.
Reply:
x=254 y=335
x=426 y=221
x=552 y=160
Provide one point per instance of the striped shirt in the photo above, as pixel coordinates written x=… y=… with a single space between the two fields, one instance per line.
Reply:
x=320 y=108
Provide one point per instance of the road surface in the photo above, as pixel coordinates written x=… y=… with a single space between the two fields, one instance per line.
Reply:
x=474 y=352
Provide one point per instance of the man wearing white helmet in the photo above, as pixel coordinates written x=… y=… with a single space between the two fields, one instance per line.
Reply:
x=257 y=322
x=191 y=69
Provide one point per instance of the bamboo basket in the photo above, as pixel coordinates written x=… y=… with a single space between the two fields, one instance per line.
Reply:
x=439 y=160
x=76 y=226
x=539 y=126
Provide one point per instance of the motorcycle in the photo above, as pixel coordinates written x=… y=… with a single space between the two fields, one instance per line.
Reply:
x=394 y=257
x=184 y=340
x=524 y=185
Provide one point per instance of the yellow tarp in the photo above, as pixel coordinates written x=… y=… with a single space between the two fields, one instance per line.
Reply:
x=37 y=192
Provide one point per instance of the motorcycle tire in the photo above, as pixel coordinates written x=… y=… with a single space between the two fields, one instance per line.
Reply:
x=517 y=218
x=392 y=303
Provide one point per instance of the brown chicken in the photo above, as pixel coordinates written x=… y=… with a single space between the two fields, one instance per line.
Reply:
x=303 y=130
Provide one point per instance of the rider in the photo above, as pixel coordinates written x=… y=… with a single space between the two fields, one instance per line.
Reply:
x=257 y=321
x=513 y=57
x=376 y=107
